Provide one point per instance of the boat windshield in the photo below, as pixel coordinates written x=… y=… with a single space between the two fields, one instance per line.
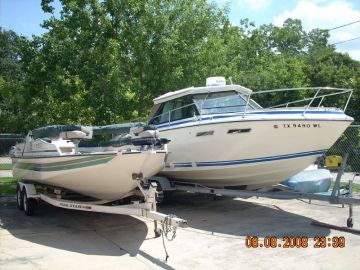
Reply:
x=207 y=103
x=222 y=102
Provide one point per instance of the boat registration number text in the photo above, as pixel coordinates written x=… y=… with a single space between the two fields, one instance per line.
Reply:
x=285 y=125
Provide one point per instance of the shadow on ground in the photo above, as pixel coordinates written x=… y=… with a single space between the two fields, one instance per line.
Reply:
x=116 y=235
x=76 y=231
x=239 y=217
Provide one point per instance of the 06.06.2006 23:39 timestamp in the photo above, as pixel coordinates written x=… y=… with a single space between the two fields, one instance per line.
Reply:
x=295 y=242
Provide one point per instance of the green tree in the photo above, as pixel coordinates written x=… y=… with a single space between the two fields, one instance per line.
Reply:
x=11 y=82
x=111 y=58
x=103 y=62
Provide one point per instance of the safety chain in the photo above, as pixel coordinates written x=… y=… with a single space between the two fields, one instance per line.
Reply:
x=167 y=228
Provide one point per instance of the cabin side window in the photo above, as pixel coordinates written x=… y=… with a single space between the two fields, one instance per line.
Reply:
x=177 y=109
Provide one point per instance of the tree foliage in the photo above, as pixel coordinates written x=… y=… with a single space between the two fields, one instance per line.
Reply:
x=103 y=62
x=12 y=101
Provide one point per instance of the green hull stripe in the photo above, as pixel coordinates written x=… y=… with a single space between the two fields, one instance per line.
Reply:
x=71 y=161
x=66 y=165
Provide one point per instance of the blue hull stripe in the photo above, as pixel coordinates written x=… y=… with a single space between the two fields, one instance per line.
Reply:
x=248 y=161
x=257 y=160
x=183 y=164
x=299 y=112
x=176 y=165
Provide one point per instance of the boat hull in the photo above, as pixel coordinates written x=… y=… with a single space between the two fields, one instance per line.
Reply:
x=102 y=176
x=247 y=150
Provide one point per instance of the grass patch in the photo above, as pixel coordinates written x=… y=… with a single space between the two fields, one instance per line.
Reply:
x=7 y=186
x=5 y=166
x=355 y=186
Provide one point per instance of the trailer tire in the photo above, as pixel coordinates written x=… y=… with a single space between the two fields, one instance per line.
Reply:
x=162 y=196
x=29 y=204
x=350 y=222
x=19 y=198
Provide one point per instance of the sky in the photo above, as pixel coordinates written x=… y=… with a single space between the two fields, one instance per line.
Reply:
x=25 y=17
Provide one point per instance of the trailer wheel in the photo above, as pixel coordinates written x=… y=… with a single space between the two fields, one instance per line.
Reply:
x=29 y=204
x=349 y=222
x=19 y=198
x=162 y=196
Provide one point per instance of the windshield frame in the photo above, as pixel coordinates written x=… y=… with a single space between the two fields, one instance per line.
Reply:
x=249 y=104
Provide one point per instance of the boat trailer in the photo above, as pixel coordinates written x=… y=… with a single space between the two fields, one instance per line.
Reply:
x=245 y=194
x=28 y=197
x=281 y=192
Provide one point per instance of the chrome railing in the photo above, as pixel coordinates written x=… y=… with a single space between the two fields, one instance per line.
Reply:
x=247 y=98
x=338 y=91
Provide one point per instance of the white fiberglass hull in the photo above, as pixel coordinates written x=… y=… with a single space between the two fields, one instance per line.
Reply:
x=251 y=150
x=102 y=176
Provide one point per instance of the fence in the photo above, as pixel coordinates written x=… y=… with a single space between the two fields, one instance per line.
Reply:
x=7 y=140
x=349 y=143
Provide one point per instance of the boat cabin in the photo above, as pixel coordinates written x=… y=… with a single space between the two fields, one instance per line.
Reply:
x=215 y=98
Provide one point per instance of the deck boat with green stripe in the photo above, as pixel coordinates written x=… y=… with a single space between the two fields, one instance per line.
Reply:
x=65 y=157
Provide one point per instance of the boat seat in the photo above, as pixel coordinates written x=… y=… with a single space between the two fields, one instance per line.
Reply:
x=138 y=130
x=75 y=134
x=149 y=133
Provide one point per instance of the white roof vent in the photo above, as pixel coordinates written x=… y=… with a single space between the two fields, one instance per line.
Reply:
x=215 y=81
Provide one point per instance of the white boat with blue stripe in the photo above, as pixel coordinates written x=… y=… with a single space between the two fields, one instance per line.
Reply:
x=220 y=136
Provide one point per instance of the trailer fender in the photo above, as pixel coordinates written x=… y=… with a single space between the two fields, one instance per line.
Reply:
x=30 y=190
x=163 y=182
